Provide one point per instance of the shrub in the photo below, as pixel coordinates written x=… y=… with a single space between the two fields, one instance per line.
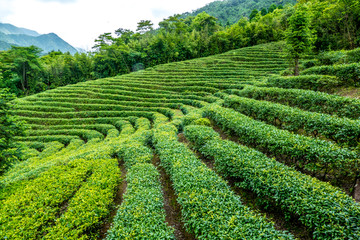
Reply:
x=310 y=82
x=320 y=206
x=348 y=74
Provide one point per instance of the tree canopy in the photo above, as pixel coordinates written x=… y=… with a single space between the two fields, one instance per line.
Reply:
x=299 y=36
x=9 y=128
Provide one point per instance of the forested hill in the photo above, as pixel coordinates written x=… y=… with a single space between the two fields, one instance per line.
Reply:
x=11 y=35
x=230 y=11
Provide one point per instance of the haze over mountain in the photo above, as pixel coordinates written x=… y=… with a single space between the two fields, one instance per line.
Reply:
x=12 y=35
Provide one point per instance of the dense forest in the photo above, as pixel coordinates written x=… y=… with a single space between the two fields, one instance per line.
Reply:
x=231 y=11
x=328 y=25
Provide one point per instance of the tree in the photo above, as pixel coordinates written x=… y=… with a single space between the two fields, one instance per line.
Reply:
x=204 y=21
x=272 y=8
x=173 y=24
x=263 y=12
x=124 y=34
x=144 y=26
x=337 y=23
x=253 y=14
x=299 y=36
x=22 y=69
x=9 y=128
x=103 y=40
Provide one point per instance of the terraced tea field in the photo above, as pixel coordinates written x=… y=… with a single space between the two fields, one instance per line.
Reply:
x=200 y=149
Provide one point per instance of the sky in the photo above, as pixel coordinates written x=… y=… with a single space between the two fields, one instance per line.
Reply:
x=80 y=22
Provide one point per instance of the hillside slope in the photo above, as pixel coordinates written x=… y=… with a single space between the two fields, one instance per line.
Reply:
x=231 y=11
x=137 y=156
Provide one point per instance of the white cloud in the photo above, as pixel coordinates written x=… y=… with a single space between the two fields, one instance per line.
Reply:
x=80 y=22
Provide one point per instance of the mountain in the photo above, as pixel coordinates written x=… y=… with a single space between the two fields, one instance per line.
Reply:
x=12 y=35
x=11 y=29
x=230 y=11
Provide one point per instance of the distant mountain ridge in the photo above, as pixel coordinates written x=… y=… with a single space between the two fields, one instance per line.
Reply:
x=231 y=11
x=11 y=29
x=12 y=35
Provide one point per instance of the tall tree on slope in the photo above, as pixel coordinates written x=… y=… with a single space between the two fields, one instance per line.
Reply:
x=10 y=152
x=299 y=36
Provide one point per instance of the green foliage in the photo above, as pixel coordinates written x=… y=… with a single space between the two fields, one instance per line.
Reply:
x=210 y=209
x=144 y=26
x=314 y=155
x=310 y=82
x=332 y=23
x=20 y=69
x=253 y=14
x=141 y=215
x=179 y=39
x=348 y=74
x=25 y=72
x=303 y=99
x=272 y=8
x=203 y=122
x=42 y=195
x=84 y=134
x=231 y=11
x=10 y=127
x=336 y=23
x=320 y=206
x=263 y=12
x=204 y=21
x=299 y=36
x=341 y=130
x=90 y=205
x=61 y=69
x=68 y=187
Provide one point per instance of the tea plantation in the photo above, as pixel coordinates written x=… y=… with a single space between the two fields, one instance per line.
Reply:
x=173 y=151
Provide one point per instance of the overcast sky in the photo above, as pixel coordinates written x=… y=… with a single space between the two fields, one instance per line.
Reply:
x=80 y=22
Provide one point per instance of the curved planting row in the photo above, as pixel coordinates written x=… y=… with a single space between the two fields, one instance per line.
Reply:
x=65 y=194
x=26 y=213
x=90 y=205
x=314 y=155
x=311 y=82
x=112 y=93
x=102 y=128
x=82 y=133
x=348 y=74
x=210 y=209
x=141 y=214
x=304 y=99
x=82 y=121
x=174 y=85
x=341 y=130
x=321 y=207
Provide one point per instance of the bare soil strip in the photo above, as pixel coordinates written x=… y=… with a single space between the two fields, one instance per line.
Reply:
x=121 y=189
x=172 y=208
